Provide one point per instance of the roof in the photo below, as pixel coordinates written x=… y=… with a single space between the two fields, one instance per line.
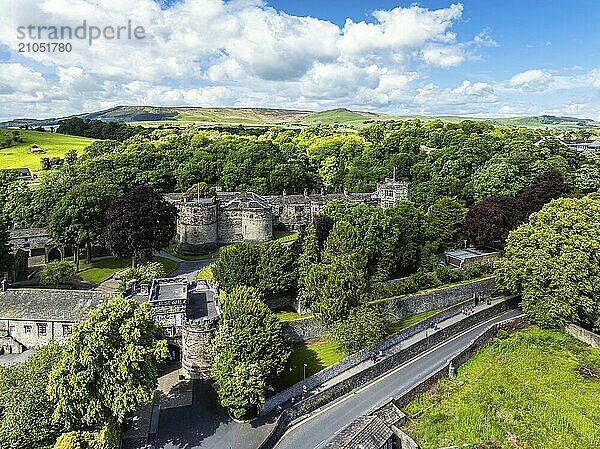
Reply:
x=49 y=304
x=29 y=233
x=469 y=253
x=169 y=289
x=390 y=414
x=246 y=200
x=366 y=432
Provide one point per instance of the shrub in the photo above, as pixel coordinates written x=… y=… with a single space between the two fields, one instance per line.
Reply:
x=54 y=273
x=145 y=274
x=363 y=327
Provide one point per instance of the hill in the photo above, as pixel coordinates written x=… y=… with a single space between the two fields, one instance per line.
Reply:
x=54 y=145
x=157 y=115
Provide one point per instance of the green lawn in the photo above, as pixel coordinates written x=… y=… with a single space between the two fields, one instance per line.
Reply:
x=288 y=315
x=285 y=236
x=171 y=250
x=55 y=145
x=527 y=385
x=392 y=328
x=205 y=273
x=102 y=269
x=317 y=356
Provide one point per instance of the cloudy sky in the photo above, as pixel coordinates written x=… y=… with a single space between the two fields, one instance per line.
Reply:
x=477 y=58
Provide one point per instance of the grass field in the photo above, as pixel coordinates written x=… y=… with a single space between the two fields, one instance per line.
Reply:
x=102 y=269
x=171 y=250
x=392 y=328
x=285 y=236
x=205 y=273
x=55 y=145
x=317 y=356
x=526 y=388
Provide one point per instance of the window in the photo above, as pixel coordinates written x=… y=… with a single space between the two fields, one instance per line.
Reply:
x=42 y=328
x=12 y=331
x=28 y=329
x=178 y=319
x=66 y=330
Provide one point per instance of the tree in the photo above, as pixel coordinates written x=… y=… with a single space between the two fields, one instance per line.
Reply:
x=490 y=221
x=144 y=274
x=333 y=290
x=248 y=351
x=26 y=419
x=6 y=257
x=138 y=223
x=108 y=367
x=56 y=272
x=363 y=327
x=276 y=270
x=545 y=188
x=237 y=266
x=200 y=190
x=445 y=223
x=78 y=219
x=553 y=262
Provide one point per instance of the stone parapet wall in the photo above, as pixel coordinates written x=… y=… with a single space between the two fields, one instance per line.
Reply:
x=439 y=298
x=583 y=335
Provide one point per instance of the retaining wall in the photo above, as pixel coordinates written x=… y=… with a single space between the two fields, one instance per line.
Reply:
x=435 y=299
x=398 y=308
x=583 y=335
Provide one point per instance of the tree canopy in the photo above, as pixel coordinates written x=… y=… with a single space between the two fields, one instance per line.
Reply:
x=138 y=223
x=108 y=366
x=248 y=351
x=553 y=262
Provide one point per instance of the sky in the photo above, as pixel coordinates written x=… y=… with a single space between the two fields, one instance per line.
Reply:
x=480 y=58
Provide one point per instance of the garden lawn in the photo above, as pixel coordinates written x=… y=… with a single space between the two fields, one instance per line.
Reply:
x=171 y=250
x=405 y=322
x=317 y=356
x=55 y=145
x=526 y=385
x=285 y=236
x=101 y=270
x=287 y=315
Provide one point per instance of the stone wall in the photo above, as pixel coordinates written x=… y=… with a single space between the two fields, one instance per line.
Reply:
x=196 y=227
x=583 y=335
x=303 y=329
x=229 y=227
x=257 y=225
x=435 y=299
x=36 y=333
x=444 y=297
x=397 y=357
x=195 y=336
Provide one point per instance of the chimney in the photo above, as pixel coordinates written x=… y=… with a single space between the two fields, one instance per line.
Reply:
x=394 y=173
x=4 y=285
x=306 y=193
x=283 y=193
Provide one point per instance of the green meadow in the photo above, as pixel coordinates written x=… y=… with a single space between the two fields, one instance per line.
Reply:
x=54 y=145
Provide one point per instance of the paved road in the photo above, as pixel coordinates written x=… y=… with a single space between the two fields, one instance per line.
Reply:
x=186 y=268
x=318 y=430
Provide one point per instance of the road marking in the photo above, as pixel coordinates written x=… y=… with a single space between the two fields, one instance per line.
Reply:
x=347 y=396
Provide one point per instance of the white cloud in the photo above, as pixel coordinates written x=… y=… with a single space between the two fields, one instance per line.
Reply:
x=532 y=80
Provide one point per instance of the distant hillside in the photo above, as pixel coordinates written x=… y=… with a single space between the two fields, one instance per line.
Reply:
x=155 y=116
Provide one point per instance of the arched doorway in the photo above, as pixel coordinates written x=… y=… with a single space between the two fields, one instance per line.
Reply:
x=174 y=353
x=54 y=254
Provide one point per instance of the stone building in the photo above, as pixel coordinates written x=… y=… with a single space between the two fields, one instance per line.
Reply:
x=462 y=258
x=30 y=318
x=390 y=191
x=204 y=224
x=34 y=247
x=188 y=317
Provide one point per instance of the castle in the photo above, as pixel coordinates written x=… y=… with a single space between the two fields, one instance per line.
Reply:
x=204 y=224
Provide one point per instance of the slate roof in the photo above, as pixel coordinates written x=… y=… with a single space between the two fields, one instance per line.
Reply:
x=390 y=414
x=49 y=304
x=366 y=432
x=29 y=233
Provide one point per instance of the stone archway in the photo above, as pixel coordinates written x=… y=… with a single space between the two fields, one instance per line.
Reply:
x=54 y=254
